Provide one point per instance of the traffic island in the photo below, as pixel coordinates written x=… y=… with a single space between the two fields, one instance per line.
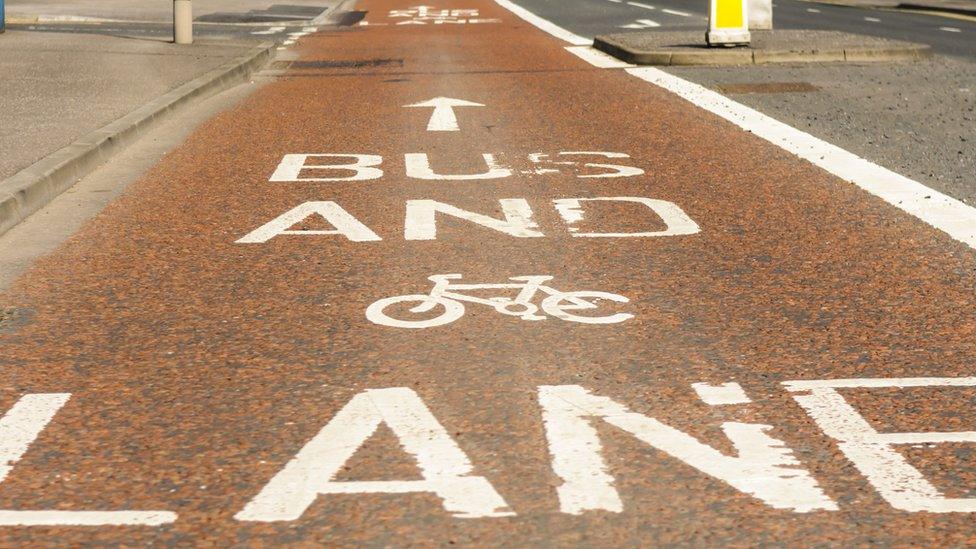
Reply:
x=778 y=46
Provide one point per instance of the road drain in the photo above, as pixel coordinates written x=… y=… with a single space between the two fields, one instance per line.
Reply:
x=348 y=64
x=768 y=87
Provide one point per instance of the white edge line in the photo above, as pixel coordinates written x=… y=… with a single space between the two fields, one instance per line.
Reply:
x=597 y=58
x=939 y=210
x=542 y=24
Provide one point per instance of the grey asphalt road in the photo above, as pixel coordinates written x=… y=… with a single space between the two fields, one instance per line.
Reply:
x=592 y=17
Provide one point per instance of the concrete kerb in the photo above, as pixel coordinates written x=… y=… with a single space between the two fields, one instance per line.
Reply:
x=33 y=187
x=746 y=56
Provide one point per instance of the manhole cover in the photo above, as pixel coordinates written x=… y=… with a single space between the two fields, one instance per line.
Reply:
x=768 y=87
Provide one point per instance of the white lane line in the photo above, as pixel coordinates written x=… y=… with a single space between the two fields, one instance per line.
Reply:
x=813 y=10
x=617 y=1
x=950 y=29
x=597 y=58
x=648 y=23
x=639 y=5
x=872 y=19
x=937 y=209
x=542 y=24
x=676 y=12
x=86 y=518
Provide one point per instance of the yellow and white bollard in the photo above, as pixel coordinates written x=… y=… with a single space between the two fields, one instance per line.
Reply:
x=728 y=23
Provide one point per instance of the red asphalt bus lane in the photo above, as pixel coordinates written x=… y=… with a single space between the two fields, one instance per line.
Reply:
x=707 y=340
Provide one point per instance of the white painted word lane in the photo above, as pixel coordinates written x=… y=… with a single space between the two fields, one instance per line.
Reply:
x=764 y=467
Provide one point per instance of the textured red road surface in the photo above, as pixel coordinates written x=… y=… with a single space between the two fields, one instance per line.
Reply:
x=198 y=367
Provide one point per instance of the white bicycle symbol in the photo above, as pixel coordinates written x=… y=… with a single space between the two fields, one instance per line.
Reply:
x=558 y=304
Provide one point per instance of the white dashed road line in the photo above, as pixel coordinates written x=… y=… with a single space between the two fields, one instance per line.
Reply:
x=950 y=29
x=676 y=12
x=639 y=5
x=872 y=19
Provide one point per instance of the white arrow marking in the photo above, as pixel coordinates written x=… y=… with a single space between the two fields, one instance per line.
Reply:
x=443 y=119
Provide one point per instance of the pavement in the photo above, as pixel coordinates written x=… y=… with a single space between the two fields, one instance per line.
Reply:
x=775 y=46
x=58 y=87
x=67 y=111
x=749 y=337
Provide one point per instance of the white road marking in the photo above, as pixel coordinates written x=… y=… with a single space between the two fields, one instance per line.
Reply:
x=86 y=518
x=676 y=221
x=872 y=19
x=445 y=468
x=344 y=223
x=721 y=395
x=676 y=12
x=873 y=453
x=616 y=1
x=364 y=166
x=418 y=167
x=22 y=423
x=764 y=466
x=813 y=10
x=941 y=211
x=443 y=118
x=639 y=5
x=950 y=29
x=20 y=427
x=541 y=23
x=451 y=297
x=271 y=30
x=641 y=24
x=421 y=221
x=597 y=58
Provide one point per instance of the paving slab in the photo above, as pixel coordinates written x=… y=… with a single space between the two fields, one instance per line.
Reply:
x=777 y=46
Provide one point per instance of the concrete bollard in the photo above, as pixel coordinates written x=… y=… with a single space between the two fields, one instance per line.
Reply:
x=760 y=14
x=182 y=21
